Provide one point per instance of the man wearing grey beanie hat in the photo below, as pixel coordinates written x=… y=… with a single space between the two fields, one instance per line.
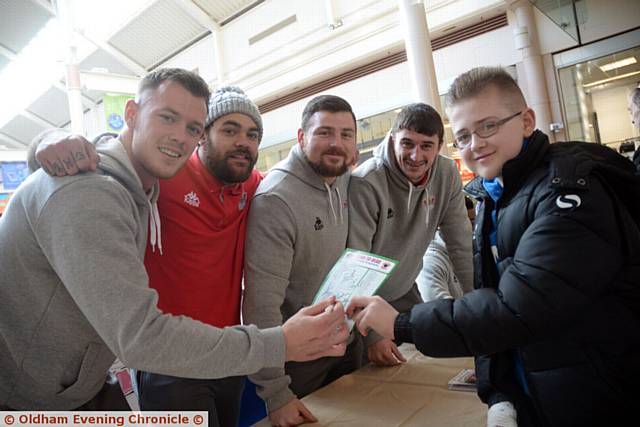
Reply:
x=204 y=209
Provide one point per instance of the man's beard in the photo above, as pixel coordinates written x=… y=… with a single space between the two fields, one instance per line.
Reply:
x=219 y=166
x=330 y=171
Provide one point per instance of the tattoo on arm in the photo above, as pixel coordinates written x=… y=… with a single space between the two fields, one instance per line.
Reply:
x=78 y=155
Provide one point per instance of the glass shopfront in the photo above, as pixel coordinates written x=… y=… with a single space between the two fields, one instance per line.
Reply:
x=595 y=98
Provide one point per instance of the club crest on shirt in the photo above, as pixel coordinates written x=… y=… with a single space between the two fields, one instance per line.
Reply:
x=318 y=225
x=429 y=201
x=192 y=199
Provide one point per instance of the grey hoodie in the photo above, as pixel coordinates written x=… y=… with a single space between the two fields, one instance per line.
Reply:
x=390 y=216
x=74 y=295
x=296 y=231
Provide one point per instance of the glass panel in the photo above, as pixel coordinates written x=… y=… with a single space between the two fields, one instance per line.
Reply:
x=271 y=155
x=595 y=96
x=560 y=12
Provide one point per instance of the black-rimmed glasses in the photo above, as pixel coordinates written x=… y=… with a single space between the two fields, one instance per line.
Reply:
x=485 y=129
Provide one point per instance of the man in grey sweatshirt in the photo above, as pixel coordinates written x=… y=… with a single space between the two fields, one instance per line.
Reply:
x=74 y=289
x=296 y=231
x=397 y=201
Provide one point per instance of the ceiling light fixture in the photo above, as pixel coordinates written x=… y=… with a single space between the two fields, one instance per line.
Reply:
x=610 y=79
x=618 y=64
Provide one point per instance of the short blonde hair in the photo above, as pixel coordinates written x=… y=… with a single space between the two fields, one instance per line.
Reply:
x=477 y=80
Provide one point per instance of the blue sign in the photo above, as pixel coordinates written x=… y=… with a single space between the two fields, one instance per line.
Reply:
x=115 y=121
x=13 y=173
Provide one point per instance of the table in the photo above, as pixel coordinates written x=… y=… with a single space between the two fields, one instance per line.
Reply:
x=412 y=394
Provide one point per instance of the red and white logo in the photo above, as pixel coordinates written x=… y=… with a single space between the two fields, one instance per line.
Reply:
x=192 y=199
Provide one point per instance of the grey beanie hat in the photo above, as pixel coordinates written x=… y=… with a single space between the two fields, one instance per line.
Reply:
x=231 y=99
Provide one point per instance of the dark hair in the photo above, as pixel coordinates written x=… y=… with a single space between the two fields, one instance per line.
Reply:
x=635 y=97
x=421 y=118
x=331 y=103
x=477 y=80
x=189 y=80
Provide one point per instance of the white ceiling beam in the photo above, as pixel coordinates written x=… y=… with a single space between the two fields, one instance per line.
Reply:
x=125 y=60
x=198 y=14
x=216 y=30
x=14 y=142
x=38 y=120
x=90 y=101
x=109 y=82
x=11 y=55
x=45 y=5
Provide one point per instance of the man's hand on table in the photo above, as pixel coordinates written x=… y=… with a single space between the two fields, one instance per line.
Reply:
x=292 y=414
x=385 y=353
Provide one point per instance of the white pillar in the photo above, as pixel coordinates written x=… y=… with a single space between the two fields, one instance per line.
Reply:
x=74 y=87
x=217 y=36
x=526 y=39
x=419 y=54
x=74 y=96
x=333 y=21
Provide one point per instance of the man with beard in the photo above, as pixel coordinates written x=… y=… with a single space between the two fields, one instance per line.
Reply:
x=296 y=232
x=397 y=201
x=196 y=266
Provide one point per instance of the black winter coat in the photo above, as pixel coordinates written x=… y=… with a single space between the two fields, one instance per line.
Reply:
x=564 y=296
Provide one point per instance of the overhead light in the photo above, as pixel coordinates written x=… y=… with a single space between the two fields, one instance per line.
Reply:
x=610 y=79
x=618 y=64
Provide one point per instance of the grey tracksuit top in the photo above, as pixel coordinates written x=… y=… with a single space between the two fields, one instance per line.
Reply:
x=296 y=231
x=75 y=296
x=390 y=216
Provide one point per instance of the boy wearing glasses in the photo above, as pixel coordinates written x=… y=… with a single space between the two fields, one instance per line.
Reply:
x=554 y=319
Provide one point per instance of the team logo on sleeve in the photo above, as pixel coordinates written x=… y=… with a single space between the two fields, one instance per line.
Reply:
x=568 y=201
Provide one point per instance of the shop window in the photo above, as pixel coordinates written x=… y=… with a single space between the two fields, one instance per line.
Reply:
x=595 y=95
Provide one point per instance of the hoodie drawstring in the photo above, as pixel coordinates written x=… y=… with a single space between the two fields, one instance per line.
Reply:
x=155 y=235
x=427 y=198
x=340 y=205
x=333 y=211
x=429 y=206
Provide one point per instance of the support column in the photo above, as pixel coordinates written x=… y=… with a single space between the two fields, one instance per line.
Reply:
x=526 y=39
x=74 y=87
x=419 y=54
x=333 y=21
x=220 y=69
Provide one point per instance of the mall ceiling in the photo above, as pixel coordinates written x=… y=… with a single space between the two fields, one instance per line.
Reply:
x=135 y=47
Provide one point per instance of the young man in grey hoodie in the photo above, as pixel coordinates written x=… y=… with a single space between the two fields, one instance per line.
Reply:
x=296 y=231
x=74 y=287
x=397 y=201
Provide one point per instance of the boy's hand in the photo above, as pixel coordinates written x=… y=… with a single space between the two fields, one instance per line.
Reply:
x=372 y=313
x=67 y=156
